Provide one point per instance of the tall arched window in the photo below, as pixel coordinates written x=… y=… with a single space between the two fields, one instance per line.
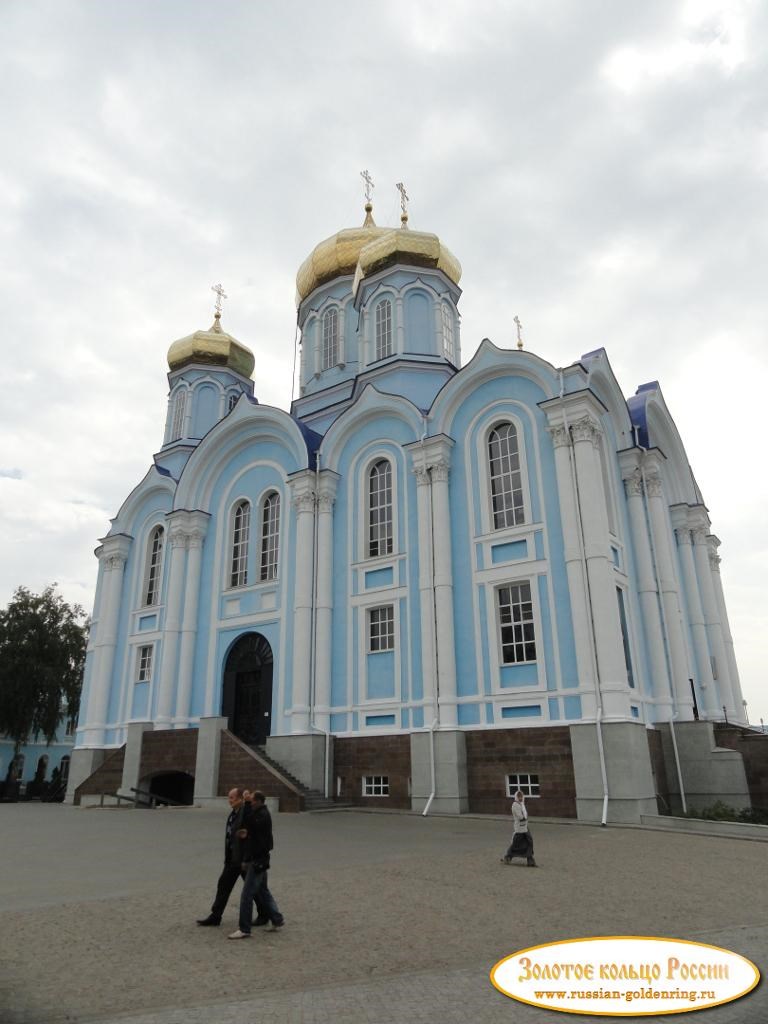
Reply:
x=270 y=536
x=330 y=338
x=151 y=588
x=506 y=478
x=449 y=346
x=380 y=509
x=384 y=329
x=241 y=526
x=179 y=408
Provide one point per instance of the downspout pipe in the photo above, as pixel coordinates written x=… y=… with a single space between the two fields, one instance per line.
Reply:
x=670 y=669
x=432 y=728
x=588 y=595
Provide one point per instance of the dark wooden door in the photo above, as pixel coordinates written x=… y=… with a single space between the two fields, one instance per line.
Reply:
x=247 y=691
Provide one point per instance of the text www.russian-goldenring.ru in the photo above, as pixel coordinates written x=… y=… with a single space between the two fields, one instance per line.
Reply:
x=684 y=995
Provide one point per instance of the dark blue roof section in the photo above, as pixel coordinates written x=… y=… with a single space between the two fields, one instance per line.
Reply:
x=311 y=439
x=163 y=471
x=637 y=412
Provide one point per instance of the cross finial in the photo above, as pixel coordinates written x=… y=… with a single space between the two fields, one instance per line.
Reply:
x=404 y=197
x=219 y=296
x=519 y=332
x=368 y=185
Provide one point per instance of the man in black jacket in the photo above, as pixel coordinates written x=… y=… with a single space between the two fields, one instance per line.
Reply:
x=233 y=859
x=255 y=834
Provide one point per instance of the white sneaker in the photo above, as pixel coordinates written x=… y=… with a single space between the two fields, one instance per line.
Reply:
x=239 y=935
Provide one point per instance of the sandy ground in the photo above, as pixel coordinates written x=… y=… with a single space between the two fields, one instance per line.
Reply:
x=99 y=906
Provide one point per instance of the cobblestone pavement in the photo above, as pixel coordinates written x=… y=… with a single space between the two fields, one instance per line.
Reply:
x=391 y=919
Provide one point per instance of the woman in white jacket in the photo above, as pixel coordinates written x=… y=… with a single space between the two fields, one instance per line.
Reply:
x=522 y=840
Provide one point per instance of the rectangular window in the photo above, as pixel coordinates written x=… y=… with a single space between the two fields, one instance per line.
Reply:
x=381 y=629
x=527 y=784
x=375 y=785
x=71 y=727
x=144 y=665
x=518 y=640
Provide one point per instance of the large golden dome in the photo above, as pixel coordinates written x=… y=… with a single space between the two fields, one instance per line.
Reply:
x=213 y=347
x=364 y=250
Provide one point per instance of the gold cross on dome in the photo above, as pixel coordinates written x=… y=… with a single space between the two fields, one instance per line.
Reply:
x=404 y=197
x=219 y=296
x=519 y=332
x=368 y=184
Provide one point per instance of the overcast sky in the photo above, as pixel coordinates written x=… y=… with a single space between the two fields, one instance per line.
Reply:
x=599 y=168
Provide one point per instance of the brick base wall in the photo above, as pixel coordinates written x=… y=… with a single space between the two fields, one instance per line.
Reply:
x=238 y=767
x=355 y=757
x=492 y=754
x=106 y=779
x=168 y=750
x=658 y=767
x=753 y=747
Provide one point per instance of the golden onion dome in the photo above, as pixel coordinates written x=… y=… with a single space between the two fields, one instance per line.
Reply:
x=364 y=250
x=213 y=347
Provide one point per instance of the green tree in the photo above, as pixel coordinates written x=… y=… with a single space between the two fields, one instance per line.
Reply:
x=42 y=655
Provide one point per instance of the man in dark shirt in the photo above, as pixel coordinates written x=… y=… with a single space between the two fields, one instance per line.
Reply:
x=233 y=858
x=256 y=835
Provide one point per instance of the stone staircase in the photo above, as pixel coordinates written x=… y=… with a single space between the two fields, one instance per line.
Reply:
x=314 y=800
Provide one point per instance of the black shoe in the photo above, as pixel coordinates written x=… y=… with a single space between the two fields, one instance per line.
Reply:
x=259 y=922
x=210 y=921
x=532 y=863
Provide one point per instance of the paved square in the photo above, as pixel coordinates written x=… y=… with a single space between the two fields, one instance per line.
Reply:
x=390 y=918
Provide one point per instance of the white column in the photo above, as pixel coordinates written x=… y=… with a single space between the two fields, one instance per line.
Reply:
x=657 y=513
x=714 y=561
x=582 y=630
x=445 y=629
x=649 y=595
x=303 y=501
x=614 y=684
x=113 y=555
x=426 y=594
x=324 y=611
x=712 y=619
x=343 y=354
x=172 y=625
x=197 y=526
x=399 y=326
x=696 y=619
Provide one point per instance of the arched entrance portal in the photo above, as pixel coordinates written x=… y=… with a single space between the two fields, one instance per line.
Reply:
x=247 y=691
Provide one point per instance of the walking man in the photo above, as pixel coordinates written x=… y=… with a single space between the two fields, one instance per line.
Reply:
x=256 y=836
x=233 y=857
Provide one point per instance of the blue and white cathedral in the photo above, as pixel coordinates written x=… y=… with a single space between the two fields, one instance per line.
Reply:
x=427 y=584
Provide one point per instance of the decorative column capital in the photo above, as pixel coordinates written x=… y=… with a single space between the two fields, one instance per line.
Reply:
x=113 y=553
x=304 y=502
x=653 y=485
x=559 y=435
x=700 y=535
x=633 y=484
x=586 y=429
x=440 y=470
x=325 y=502
x=422 y=476
x=178 y=537
x=683 y=535
x=714 y=561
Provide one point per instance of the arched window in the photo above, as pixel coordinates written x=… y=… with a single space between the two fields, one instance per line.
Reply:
x=384 y=329
x=270 y=536
x=506 y=478
x=151 y=588
x=449 y=347
x=241 y=526
x=330 y=338
x=380 y=509
x=179 y=407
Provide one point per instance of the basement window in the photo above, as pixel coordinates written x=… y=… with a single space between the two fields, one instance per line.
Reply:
x=527 y=784
x=375 y=785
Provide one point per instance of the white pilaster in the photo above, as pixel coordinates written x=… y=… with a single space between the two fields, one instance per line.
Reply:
x=112 y=555
x=712 y=620
x=196 y=527
x=696 y=621
x=399 y=326
x=178 y=540
x=303 y=502
x=324 y=611
x=445 y=629
x=426 y=593
x=714 y=561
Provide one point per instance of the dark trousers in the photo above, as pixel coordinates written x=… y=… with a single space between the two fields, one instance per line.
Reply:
x=521 y=846
x=225 y=885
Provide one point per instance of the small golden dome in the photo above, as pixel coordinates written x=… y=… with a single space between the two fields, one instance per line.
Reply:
x=361 y=251
x=213 y=347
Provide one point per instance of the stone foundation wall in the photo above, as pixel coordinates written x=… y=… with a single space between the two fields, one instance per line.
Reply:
x=355 y=757
x=492 y=754
x=168 y=750
x=106 y=779
x=753 y=747
x=239 y=766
